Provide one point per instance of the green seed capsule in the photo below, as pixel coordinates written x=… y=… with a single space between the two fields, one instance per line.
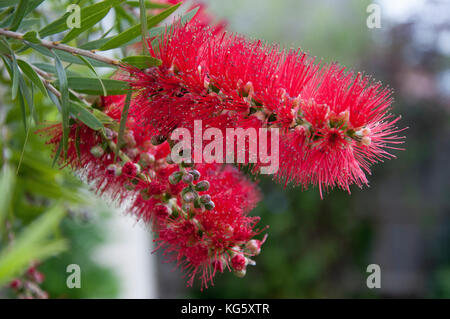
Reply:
x=188 y=178
x=195 y=173
x=97 y=151
x=202 y=186
x=175 y=178
x=205 y=199
x=210 y=205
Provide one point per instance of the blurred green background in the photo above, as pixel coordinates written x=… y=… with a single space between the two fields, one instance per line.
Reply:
x=316 y=248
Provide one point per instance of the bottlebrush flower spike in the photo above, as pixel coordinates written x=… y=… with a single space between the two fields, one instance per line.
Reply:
x=333 y=123
x=200 y=217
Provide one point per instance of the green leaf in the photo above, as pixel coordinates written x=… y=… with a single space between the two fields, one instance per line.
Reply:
x=142 y=61
x=4 y=47
x=95 y=72
x=134 y=31
x=143 y=19
x=92 y=86
x=19 y=14
x=148 y=5
x=32 y=244
x=50 y=68
x=33 y=4
x=95 y=44
x=15 y=78
x=7 y=182
x=31 y=36
x=58 y=153
x=67 y=57
x=83 y=114
x=32 y=75
x=60 y=24
x=86 y=23
x=64 y=90
x=8 y=3
x=25 y=91
x=123 y=122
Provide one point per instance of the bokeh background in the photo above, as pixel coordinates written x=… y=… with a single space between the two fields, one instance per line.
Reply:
x=317 y=248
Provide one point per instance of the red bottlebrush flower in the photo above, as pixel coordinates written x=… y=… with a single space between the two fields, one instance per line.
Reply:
x=195 y=233
x=161 y=212
x=130 y=169
x=156 y=188
x=333 y=123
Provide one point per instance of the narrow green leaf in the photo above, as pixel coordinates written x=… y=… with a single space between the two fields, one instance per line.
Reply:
x=33 y=4
x=143 y=19
x=86 y=23
x=19 y=14
x=50 y=68
x=142 y=61
x=134 y=31
x=92 y=86
x=31 y=244
x=15 y=79
x=7 y=182
x=32 y=75
x=31 y=36
x=82 y=113
x=8 y=3
x=95 y=72
x=4 y=47
x=23 y=147
x=25 y=90
x=64 y=90
x=123 y=122
x=58 y=153
x=60 y=24
x=148 y=4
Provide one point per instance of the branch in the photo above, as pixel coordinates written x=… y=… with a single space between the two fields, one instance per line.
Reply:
x=62 y=47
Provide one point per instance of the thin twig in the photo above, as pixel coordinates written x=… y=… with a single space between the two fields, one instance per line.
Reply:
x=62 y=47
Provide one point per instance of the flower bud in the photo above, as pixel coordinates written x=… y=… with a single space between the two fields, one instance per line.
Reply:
x=202 y=186
x=175 y=177
x=109 y=134
x=209 y=205
x=205 y=199
x=254 y=246
x=114 y=170
x=189 y=197
x=169 y=160
x=16 y=284
x=195 y=173
x=240 y=273
x=147 y=159
x=97 y=151
x=129 y=140
x=188 y=178
x=132 y=152
x=239 y=262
